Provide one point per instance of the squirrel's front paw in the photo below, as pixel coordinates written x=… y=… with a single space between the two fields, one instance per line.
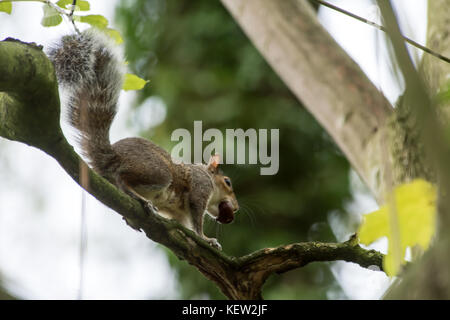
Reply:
x=214 y=243
x=150 y=208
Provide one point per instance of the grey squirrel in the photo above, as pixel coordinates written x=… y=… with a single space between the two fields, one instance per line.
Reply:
x=92 y=69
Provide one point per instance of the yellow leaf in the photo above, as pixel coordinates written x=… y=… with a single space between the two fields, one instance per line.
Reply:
x=415 y=207
x=6 y=7
x=81 y=5
x=133 y=82
x=375 y=226
x=389 y=264
x=114 y=34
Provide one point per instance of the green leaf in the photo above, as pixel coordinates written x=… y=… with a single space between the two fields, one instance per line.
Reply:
x=80 y=6
x=133 y=82
x=51 y=17
x=114 y=34
x=415 y=208
x=6 y=7
x=94 y=20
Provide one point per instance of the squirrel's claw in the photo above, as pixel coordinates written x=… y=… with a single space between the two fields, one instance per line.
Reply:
x=214 y=243
x=149 y=209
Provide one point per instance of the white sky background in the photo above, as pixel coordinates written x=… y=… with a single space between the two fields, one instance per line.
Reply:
x=40 y=204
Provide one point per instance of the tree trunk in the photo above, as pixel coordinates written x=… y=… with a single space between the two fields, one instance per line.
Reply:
x=429 y=278
x=435 y=71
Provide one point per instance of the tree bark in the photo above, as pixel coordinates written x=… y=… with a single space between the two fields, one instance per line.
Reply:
x=436 y=72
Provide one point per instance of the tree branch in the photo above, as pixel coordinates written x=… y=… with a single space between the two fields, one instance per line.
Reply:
x=328 y=82
x=288 y=257
x=29 y=113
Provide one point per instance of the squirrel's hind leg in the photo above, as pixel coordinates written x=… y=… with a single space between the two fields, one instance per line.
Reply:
x=146 y=203
x=143 y=183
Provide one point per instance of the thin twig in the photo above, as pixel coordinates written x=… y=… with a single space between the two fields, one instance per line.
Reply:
x=61 y=11
x=384 y=29
x=74 y=3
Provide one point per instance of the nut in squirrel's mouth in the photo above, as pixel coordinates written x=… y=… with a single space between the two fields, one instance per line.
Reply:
x=226 y=212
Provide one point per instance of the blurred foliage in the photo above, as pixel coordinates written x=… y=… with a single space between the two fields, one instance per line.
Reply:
x=203 y=67
x=4 y=294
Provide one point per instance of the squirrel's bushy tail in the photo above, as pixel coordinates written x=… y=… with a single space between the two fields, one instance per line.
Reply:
x=92 y=71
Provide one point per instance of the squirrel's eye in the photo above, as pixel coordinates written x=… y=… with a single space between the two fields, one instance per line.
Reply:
x=227 y=181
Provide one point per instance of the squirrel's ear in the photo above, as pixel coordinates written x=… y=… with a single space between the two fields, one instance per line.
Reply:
x=213 y=163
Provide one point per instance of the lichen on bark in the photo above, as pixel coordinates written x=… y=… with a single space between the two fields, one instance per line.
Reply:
x=406 y=146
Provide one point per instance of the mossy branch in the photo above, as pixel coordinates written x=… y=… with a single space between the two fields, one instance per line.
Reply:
x=30 y=113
